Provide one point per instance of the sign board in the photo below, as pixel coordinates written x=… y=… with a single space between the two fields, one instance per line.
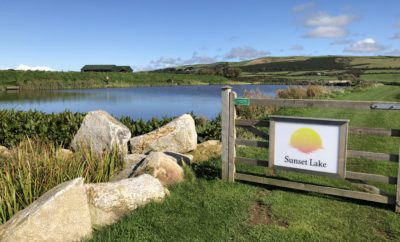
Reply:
x=242 y=101
x=308 y=144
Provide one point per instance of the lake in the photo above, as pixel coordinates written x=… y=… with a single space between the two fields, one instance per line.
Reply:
x=142 y=102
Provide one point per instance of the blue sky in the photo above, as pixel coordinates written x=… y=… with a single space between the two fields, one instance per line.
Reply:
x=65 y=35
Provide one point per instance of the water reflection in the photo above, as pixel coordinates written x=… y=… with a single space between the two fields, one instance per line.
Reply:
x=145 y=102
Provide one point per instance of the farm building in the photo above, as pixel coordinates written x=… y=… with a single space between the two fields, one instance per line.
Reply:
x=106 y=68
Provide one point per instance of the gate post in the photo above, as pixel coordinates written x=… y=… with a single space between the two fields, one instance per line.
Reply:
x=225 y=117
x=398 y=187
x=232 y=138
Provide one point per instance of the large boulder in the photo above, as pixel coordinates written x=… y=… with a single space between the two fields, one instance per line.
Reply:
x=61 y=214
x=100 y=133
x=109 y=201
x=177 y=136
x=130 y=161
x=206 y=151
x=161 y=166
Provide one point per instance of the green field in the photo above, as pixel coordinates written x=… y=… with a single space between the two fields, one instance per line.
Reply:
x=382 y=77
x=66 y=80
x=208 y=209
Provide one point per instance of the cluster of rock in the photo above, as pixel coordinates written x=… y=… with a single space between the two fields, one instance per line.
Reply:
x=69 y=211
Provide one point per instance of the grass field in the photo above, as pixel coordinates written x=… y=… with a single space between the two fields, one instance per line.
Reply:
x=383 y=77
x=207 y=209
x=65 y=80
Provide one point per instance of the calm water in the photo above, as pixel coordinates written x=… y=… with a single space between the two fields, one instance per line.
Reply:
x=144 y=102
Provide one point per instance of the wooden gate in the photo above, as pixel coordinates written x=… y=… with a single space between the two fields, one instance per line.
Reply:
x=229 y=142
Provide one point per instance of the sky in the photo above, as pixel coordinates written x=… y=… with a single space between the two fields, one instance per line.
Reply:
x=65 y=35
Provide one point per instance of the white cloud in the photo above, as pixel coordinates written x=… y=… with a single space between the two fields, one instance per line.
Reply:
x=365 y=45
x=326 y=32
x=395 y=36
x=303 y=7
x=197 y=59
x=243 y=53
x=324 y=19
x=395 y=52
x=324 y=25
x=23 y=67
x=296 y=47
x=341 y=42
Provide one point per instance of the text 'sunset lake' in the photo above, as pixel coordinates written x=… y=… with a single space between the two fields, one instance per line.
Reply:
x=143 y=102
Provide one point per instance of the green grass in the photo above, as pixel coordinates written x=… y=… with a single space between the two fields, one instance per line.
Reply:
x=381 y=93
x=384 y=77
x=65 y=80
x=212 y=210
x=208 y=209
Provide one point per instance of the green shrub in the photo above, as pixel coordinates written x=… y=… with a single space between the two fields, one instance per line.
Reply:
x=60 y=128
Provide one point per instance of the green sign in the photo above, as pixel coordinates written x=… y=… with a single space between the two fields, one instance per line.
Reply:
x=242 y=101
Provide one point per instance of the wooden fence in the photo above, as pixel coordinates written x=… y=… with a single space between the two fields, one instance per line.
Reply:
x=229 y=142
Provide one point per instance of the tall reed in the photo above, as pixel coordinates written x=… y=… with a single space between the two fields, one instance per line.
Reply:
x=34 y=167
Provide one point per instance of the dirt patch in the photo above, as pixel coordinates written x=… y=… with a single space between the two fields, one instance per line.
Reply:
x=261 y=214
x=382 y=234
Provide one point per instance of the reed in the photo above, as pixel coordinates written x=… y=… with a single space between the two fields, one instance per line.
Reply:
x=34 y=167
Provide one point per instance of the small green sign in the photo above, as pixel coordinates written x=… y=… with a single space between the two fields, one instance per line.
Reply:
x=242 y=101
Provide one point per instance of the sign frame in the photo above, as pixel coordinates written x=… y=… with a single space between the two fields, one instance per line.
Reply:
x=343 y=125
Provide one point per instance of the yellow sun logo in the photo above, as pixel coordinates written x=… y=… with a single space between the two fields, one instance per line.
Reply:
x=306 y=140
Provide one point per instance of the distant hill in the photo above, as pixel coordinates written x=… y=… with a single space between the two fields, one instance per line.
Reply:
x=292 y=64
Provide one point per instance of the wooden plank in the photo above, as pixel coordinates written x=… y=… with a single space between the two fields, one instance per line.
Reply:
x=242 y=122
x=250 y=161
x=232 y=137
x=371 y=155
x=375 y=131
x=254 y=143
x=370 y=177
x=343 y=149
x=312 y=103
x=224 y=130
x=271 y=148
x=315 y=188
x=257 y=132
x=398 y=188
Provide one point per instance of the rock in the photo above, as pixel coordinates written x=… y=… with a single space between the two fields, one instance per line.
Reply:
x=101 y=132
x=180 y=158
x=109 y=201
x=177 y=136
x=132 y=159
x=161 y=166
x=61 y=214
x=64 y=154
x=130 y=162
x=206 y=151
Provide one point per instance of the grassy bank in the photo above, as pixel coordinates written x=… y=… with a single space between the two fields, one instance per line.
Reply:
x=208 y=209
x=67 y=80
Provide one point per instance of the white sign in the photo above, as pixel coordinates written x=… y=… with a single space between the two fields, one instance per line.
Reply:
x=313 y=145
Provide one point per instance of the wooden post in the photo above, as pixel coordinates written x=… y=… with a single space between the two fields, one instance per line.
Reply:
x=232 y=137
x=398 y=187
x=225 y=99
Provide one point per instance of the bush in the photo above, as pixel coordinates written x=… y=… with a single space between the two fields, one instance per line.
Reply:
x=60 y=128
x=255 y=112
x=313 y=91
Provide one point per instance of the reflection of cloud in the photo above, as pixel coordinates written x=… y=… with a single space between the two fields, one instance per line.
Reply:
x=23 y=67
x=365 y=45
x=245 y=52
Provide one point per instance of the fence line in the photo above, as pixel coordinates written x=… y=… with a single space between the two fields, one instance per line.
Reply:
x=229 y=142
